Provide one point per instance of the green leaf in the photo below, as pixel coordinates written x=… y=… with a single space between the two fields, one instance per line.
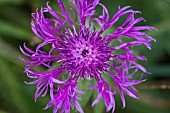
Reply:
x=10 y=29
x=84 y=84
x=160 y=70
x=15 y=15
x=99 y=107
x=12 y=87
x=12 y=54
x=4 y=2
x=3 y=111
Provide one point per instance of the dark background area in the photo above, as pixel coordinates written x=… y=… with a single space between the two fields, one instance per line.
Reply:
x=15 y=29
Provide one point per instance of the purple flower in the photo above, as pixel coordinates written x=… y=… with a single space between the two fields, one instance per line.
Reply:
x=81 y=51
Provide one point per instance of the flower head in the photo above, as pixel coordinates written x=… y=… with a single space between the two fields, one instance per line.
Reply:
x=81 y=51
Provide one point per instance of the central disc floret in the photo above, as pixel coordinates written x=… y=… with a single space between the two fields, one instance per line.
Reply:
x=84 y=52
x=85 y=55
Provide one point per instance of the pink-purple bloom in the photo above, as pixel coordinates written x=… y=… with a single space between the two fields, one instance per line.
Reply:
x=83 y=51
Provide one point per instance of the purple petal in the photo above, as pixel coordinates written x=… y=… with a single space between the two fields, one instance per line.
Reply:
x=130 y=93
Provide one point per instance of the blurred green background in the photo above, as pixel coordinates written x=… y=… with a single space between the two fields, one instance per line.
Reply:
x=17 y=97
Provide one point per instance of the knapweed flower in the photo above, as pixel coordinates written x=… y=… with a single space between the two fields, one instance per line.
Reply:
x=81 y=49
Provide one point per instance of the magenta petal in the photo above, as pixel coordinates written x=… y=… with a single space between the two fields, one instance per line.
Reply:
x=97 y=100
x=131 y=93
x=78 y=107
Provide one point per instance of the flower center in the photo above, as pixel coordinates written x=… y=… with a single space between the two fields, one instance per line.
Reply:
x=84 y=52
